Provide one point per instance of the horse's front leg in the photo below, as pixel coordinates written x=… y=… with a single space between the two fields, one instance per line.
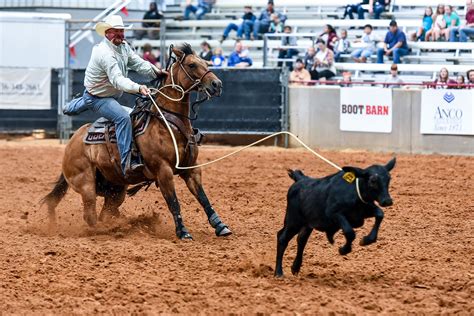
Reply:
x=166 y=184
x=193 y=181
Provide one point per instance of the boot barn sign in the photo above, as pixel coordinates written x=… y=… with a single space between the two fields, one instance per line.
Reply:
x=448 y=112
x=366 y=109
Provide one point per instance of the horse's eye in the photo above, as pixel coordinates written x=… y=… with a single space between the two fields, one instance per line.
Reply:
x=192 y=65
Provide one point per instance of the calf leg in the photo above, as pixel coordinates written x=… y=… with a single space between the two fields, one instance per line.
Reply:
x=348 y=232
x=283 y=238
x=193 y=181
x=372 y=236
x=303 y=236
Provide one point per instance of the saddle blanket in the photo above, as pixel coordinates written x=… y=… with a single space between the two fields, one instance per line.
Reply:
x=97 y=131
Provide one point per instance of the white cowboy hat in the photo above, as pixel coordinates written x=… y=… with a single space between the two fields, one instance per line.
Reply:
x=110 y=22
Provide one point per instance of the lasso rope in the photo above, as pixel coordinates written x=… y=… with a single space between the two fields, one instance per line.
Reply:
x=177 y=166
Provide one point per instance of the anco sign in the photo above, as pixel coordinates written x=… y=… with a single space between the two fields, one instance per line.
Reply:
x=448 y=112
x=366 y=109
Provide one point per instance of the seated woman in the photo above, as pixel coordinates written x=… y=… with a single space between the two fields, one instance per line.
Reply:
x=323 y=66
x=452 y=21
x=443 y=81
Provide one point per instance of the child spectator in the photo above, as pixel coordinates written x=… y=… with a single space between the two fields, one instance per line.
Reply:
x=245 y=26
x=309 y=58
x=443 y=80
x=218 y=58
x=426 y=25
x=299 y=73
x=395 y=44
x=452 y=21
x=329 y=36
x=369 y=41
x=276 y=26
x=438 y=24
x=341 y=46
x=203 y=7
x=206 y=52
x=239 y=57
x=393 y=78
x=287 y=53
x=323 y=62
x=466 y=30
x=149 y=56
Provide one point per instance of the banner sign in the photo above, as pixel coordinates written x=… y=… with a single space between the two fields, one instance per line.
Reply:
x=25 y=88
x=366 y=109
x=448 y=112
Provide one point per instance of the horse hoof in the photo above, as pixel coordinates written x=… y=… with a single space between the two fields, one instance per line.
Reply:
x=366 y=241
x=225 y=231
x=185 y=236
x=344 y=250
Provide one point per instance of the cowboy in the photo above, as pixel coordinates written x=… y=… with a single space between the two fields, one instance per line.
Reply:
x=105 y=81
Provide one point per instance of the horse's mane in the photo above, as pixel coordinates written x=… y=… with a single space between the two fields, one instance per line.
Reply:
x=186 y=49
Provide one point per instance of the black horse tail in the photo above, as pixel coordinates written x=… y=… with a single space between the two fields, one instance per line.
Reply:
x=59 y=191
x=296 y=175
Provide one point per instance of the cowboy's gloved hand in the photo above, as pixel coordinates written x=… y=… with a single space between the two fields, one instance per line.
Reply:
x=144 y=90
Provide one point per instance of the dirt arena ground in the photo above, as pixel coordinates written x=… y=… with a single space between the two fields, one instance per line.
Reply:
x=422 y=263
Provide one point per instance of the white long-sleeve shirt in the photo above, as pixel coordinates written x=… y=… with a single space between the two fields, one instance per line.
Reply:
x=106 y=73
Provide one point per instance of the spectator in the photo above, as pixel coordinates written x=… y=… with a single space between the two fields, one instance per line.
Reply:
x=206 y=52
x=466 y=30
x=218 y=58
x=470 y=77
x=299 y=73
x=346 y=79
x=460 y=81
x=369 y=41
x=395 y=44
x=323 y=62
x=151 y=14
x=245 y=26
x=262 y=24
x=393 y=78
x=351 y=8
x=443 y=80
x=309 y=58
x=287 y=53
x=329 y=36
x=375 y=7
x=452 y=21
x=239 y=57
x=203 y=7
x=276 y=26
x=438 y=24
x=341 y=46
x=149 y=56
x=426 y=25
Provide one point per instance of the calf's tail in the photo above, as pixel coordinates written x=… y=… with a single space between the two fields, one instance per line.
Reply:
x=296 y=175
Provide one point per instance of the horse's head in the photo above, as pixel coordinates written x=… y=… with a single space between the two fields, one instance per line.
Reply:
x=192 y=73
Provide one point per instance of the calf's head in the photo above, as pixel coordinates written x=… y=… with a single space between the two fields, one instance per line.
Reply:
x=376 y=181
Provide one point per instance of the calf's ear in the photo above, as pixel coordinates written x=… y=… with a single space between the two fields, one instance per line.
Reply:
x=389 y=166
x=357 y=171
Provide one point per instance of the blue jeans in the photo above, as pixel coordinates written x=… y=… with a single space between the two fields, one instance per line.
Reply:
x=111 y=110
x=235 y=27
x=260 y=27
x=465 y=32
x=397 y=53
x=378 y=9
x=247 y=26
x=200 y=11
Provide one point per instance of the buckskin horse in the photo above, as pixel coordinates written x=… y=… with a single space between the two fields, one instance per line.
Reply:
x=91 y=170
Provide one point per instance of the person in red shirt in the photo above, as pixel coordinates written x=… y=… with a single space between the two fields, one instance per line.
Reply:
x=466 y=30
x=149 y=56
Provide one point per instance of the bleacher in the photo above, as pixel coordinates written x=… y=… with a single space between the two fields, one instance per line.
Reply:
x=308 y=19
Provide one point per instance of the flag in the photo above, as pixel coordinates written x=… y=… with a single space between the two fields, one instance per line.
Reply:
x=124 y=11
x=72 y=51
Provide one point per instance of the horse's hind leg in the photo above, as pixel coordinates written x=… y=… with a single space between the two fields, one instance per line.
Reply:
x=193 y=181
x=166 y=184
x=113 y=198
x=83 y=182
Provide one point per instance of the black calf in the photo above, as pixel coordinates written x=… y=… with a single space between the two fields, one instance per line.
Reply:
x=339 y=201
